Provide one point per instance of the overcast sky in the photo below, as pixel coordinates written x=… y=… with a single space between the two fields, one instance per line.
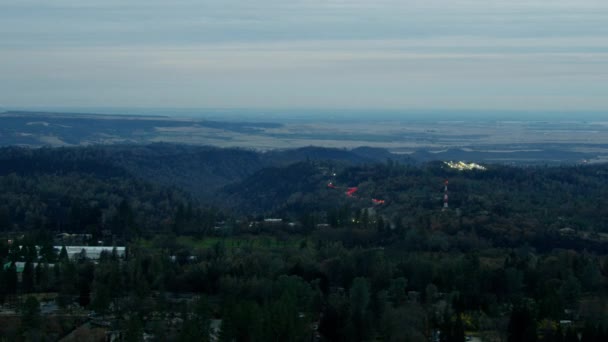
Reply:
x=427 y=54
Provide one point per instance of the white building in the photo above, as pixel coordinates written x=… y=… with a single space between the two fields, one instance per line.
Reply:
x=91 y=252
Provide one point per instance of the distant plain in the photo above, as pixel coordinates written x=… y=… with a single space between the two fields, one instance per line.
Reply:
x=518 y=140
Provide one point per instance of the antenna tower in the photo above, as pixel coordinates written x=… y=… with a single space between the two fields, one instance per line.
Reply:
x=445 y=196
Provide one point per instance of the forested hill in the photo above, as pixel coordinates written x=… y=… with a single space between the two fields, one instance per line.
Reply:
x=100 y=204
x=575 y=191
x=272 y=189
x=162 y=187
x=124 y=187
x=545 y=206
x=300 y=238
x=360 y=155
x=199 y=170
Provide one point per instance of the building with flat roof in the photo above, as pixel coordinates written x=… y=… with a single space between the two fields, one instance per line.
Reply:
x=91 y=252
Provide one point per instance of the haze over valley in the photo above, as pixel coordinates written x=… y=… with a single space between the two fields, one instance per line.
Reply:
x=522 y=139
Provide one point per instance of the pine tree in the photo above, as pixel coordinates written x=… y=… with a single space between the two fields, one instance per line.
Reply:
x=452 y=329
x=3 y=291
x=27 y=279
x=571 y=336
x=359 y=301
x=135 y=329
x=196 y=322
x=30 y=319
x=590 y=333
x=63 y=255
x=10 y=276
x=522 y=326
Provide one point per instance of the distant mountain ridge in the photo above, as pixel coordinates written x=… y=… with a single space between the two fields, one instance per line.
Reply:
x=358 y=155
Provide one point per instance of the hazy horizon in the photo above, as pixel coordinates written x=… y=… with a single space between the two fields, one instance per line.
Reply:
x=325 y=114
x=463 y=55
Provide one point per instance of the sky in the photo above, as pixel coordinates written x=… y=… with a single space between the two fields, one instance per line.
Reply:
x=534 y=55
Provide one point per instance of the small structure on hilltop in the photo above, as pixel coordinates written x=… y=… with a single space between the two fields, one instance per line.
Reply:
x=462 y=166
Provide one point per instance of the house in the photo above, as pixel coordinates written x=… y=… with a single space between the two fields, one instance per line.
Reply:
x=567 y=231
x=72 y=239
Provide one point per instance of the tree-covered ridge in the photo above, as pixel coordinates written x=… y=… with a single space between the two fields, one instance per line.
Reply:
x=76 y=203
x=199 y=170
x=90 y=191
x=519 y=255
x=506 y=205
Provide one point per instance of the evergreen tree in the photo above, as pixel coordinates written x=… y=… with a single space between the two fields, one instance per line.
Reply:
x=380 y=224
x=570 y=291
x=283 y=320
x=67 y=284
x=359 y=303
x=397 y=291
x=10 y=276
x=335 y=318
x=28 y=278
x=63 y=254
x=86 y=271
x=590 y=333
x=42 y=276
x=365 y=218
x=47 y=251
x=30 y=319
x=3 y=290
x=458 y=330
x=101 y=297
x=30 y=252
x=522 y=325
x=570 y=336
x=15 y=253
x=242 y=322
x=134 y=329
x=452 y=329
x=196 y=322
x=5 y=219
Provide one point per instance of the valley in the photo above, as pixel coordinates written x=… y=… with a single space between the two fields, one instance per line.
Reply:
x=526 y=141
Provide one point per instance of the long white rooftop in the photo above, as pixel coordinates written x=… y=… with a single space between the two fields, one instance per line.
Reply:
x=92 y=252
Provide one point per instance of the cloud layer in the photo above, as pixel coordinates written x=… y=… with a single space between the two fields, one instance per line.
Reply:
x=533 y=55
